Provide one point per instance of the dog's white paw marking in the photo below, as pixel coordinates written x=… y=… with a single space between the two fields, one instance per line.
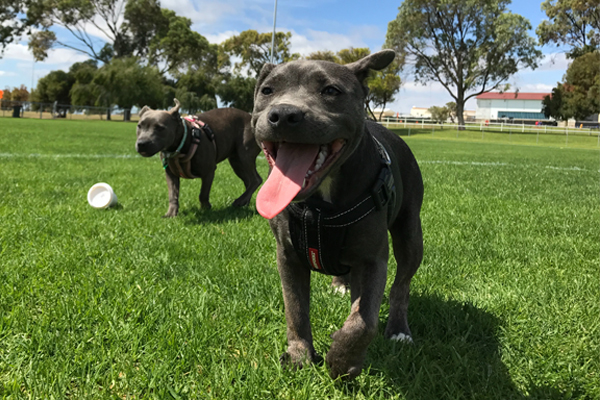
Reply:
x=341 y=290
x=401 y=337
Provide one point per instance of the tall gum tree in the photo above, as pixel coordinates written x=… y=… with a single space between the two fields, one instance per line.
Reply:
x=468 y=46
x=574 y=23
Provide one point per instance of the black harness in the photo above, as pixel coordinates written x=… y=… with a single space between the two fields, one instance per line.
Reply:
x=318 y=234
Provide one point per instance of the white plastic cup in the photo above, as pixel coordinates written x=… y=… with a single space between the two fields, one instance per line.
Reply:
x=101 y=195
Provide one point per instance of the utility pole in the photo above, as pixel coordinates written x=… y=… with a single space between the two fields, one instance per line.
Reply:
x=273 y=38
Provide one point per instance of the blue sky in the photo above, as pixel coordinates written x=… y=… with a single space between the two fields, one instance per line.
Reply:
x=315 y=25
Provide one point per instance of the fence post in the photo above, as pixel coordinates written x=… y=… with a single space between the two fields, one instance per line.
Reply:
x=405 y=123
x=567 y=143
x=537 y=137
x=523 y=129
x=501 y=126
x=41 y=110
x=481 y=126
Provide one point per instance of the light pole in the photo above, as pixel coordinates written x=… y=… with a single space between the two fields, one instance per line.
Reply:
x=273 y=38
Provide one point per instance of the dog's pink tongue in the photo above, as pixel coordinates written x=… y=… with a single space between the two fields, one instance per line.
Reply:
x=286 y=178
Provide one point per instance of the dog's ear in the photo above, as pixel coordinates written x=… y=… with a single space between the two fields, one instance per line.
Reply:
x=175 y=110
x=376 y=61
x=264 y=72
x=142 y=111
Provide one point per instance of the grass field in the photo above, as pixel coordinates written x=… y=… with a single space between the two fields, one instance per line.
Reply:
x=122 y=304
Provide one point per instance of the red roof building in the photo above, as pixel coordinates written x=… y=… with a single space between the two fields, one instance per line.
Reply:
x=512 y=96
x=510 y=105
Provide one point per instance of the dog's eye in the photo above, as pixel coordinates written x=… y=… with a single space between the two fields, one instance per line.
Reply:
x=330 y=91
x=266 y=91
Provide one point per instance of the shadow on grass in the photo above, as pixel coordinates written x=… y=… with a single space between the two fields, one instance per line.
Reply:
x=201 y=216
x=456 y=354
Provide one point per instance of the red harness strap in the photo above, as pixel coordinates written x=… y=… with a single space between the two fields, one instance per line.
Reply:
x=180 y=164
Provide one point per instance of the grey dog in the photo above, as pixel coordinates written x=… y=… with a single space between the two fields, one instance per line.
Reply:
x=219 y=134
x=337 y=184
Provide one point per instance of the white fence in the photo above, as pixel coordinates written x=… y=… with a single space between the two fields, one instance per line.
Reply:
x=428 y=126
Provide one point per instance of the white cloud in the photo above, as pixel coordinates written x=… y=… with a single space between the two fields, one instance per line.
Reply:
x=554 y=62
x=7 y=73
x=18 y=51
x=321 y=40
x=220 y=37
x=536 y=87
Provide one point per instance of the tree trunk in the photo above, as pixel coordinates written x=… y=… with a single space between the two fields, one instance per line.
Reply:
x=382 y=111
x=370 y=112
x=127 y=115
x=108 y=114
x=460 y=116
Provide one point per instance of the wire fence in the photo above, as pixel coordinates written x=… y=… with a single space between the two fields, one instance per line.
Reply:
x=583 y=133
x=31 y=109
x=580 y=136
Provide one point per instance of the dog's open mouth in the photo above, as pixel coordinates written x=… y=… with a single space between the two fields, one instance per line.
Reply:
x=297 y=169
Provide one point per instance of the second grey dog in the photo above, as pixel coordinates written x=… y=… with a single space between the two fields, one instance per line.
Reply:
x=229 y=137
x=337 y=184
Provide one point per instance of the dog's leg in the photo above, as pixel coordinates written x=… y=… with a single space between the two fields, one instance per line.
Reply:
x=295 y=282
x=207 y=180
x=173 y=185
x=407 y=239
x=246 y=171
x=349 y=348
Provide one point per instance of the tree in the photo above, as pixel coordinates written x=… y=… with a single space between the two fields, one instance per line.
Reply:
x=352 y=54
x=139 y=28
x=254 y=49
x=326 y=55
x=75 y=16
x=579 y=95
x=383 y=85
x=16 y=94
x=582 y=83
x=439 y=114
x=84 y=91
x=16 y=18
x=126 y=83
x=554 y=106
x=179 y=48
x=451 y=106
x=468 y=46
x=55 y=86
x=575 y=23
x=238 y=91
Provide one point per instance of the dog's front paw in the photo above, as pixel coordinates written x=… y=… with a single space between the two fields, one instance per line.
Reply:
x=402 y=338
x=344 y=364
x=295 y=363
x=240 y=203
x=170 y=214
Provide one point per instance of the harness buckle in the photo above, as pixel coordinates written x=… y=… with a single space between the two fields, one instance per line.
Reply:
x=383 y=190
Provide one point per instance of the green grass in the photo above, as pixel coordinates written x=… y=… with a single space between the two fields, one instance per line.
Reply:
x=120 y=303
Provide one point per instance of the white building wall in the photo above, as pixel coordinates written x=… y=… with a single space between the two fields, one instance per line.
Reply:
x=488 y=109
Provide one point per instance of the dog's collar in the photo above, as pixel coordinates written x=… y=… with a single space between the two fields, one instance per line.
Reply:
x=167 y=155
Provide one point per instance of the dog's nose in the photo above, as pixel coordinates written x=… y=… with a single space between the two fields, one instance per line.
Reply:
x=285 y=115
x=143 y=145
